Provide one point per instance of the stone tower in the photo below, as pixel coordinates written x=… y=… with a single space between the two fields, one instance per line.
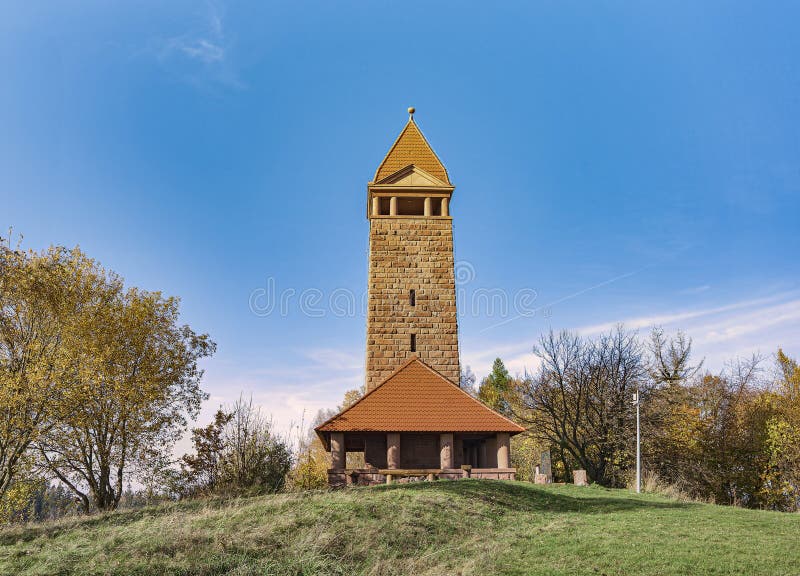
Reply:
x=411 y=292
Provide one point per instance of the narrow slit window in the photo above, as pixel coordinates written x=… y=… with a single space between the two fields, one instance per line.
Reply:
x=412 y=297
x=413 y=342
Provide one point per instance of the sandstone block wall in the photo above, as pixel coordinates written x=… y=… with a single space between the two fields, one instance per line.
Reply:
x=411 y=254
x=419 y=450
x=375 y=451
x=367 y=477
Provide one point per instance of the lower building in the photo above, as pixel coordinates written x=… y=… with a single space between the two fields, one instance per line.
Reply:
x=418 y=424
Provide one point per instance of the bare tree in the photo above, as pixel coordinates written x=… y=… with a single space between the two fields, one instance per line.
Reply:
x=255 y=459
x=578 y=400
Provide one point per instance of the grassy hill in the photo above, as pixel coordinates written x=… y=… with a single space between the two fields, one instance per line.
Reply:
x=464 y=527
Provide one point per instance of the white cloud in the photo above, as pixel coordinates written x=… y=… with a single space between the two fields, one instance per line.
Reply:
x=723 y=333
x=682 y=317
x=757 y=321
x=695 y=290
x=201 y=53
x=199 y=48
x=719 y=333
x=290 y=393
x=306 y=382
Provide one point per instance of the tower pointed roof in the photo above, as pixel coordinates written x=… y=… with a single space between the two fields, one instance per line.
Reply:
x=416 y=398
x=411 y=149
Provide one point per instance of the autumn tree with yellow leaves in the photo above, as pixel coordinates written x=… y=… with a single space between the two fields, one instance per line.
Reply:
x=96 y=380
x=42 y=299
x=781 y=476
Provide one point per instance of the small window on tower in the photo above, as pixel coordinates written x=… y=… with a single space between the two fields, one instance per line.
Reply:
x=413 y=342
x=412 y=297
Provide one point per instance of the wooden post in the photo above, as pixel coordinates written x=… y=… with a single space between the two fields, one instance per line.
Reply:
x=393 y=450
x=338 y=455
x=503 y=450
x=446 y=451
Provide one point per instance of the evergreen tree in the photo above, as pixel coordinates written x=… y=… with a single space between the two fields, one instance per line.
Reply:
x=494 y=389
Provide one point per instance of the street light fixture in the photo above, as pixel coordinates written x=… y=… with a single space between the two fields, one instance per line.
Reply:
x=638 y=445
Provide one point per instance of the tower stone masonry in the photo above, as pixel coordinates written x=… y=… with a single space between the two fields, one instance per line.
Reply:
x=411 y=292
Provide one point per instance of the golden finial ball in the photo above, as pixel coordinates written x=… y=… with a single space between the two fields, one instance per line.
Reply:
x=411 y=110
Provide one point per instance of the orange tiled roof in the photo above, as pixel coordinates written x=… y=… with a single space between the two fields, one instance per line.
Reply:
x=416 y=398
x=411 y=147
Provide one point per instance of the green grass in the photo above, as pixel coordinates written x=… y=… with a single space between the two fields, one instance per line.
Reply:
x=463 y=527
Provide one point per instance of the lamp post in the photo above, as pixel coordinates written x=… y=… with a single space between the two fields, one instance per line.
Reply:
x=638 y=445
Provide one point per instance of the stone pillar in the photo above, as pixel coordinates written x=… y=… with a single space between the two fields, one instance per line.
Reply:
x=458 y=451
x=338 y=455
x=445 y=207
x=428 y=206
x=376 y=206
x=446 y=451
x=393 y=206
x=579 y=477
x=491 y=452
x=503 y=450
x=393 y=450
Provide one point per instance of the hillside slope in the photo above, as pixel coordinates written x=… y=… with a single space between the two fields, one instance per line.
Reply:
x=463 y=527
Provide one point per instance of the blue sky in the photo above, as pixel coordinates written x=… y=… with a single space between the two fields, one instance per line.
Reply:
x=633 y=162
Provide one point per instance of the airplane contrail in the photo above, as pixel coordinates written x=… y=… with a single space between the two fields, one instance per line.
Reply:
x=565 y=298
